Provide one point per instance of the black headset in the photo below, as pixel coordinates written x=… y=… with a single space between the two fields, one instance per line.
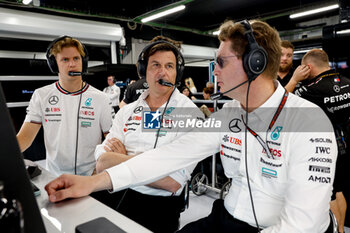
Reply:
x=255 y=56
x=142 y=63
x=51 y=60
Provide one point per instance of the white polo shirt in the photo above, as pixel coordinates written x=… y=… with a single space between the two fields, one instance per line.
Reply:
x=57 y=110
x=113 y=93
x=128 y=128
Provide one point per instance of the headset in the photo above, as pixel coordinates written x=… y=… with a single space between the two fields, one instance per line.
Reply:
x=255 y=56
x=51 y=60
x=254 y=59
x=142 y=63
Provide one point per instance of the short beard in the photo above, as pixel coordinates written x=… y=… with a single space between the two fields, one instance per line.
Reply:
x=286 y=68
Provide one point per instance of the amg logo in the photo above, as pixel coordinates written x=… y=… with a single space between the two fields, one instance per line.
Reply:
x=322 y=150
x=319 y=169
x=320 y=160
x=320 y=179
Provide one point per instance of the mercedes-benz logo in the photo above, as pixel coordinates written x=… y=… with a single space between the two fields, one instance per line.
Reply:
x=233 y=126
x=53 y=100
x=138 y=109
x=336 y=88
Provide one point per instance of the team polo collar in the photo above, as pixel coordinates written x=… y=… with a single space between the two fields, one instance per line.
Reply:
x=85 y=87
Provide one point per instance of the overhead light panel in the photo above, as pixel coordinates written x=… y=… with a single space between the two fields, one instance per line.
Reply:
x=26 y=2
x=346 y=31
x=215 y=33
x=315 y=11
x=163 y=13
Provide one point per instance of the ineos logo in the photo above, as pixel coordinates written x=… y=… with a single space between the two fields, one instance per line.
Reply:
x=138 y=109
x=233 y=126
x=53 y=100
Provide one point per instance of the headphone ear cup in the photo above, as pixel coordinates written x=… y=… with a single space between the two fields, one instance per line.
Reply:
x=257 y=61
x=179 y=73
x=141 y=68
x=254 y=62
x=51 y=62
x=85 y=60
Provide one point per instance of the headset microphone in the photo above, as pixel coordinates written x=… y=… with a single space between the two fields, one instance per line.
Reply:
x=73 y=73
x=217 y=95
x=165 y=83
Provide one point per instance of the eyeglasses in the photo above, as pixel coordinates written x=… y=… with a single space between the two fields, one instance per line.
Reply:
x=221 y=60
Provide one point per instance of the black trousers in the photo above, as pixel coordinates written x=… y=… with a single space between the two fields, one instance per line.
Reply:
x=156 y=213
x=219 y=220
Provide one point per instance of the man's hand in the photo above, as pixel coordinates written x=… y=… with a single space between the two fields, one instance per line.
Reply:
x=301 y=73
x=115 y=145
x=73 y=186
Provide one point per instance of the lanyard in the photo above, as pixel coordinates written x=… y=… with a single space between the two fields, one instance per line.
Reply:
x=273 y=121
x=320 y=78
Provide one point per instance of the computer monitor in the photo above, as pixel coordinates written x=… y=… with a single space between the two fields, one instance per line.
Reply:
x=13 y=173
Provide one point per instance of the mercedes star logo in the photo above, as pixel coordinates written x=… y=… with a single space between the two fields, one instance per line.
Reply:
x=53 y=100
x=233 y=126
x=138 y=109
x=336 y=88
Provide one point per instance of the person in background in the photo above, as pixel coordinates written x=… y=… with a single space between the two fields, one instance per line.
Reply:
x=157 y=205
x=133 y=91
x=287 y=76
x=325 y=87
x=187 y=92
x=207 y=92
x=190 y=84
x=286 y=70
x=72 y=113
x=113 y=92
x=269 y=154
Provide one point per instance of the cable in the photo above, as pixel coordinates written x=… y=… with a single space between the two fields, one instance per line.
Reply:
x=77 y=137
x=246 y=160
x=155 y=143
x=161 y=118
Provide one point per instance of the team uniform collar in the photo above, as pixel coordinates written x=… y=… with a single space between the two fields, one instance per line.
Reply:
x=62 y=90
x=267 y=109
x=145 y=94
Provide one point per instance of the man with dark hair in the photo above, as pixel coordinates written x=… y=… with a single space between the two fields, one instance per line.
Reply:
x=329 y=90
x=72 y=113
x=113 y=92
x=266 y=142
x=156 y=205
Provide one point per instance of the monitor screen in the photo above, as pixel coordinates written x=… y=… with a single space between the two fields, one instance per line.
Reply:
x=14 y=175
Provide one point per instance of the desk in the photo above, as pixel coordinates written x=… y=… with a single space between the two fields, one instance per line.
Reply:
x=66 y=215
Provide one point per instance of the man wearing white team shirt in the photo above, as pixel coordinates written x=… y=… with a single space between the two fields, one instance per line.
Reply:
x=113 y=92
x=157 y=205
x=279 y=149
x=73 y=113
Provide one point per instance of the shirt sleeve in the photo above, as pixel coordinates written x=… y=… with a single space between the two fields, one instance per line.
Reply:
x=157 y=163
x=34 y=112
x=310 y=178
x=107 y=113
x=114 y=132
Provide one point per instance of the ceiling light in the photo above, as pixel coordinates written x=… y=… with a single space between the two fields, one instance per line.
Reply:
x=346 y=31
x=216 y=32
x=26 y=2
x=163 y=13
x=310 y=12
